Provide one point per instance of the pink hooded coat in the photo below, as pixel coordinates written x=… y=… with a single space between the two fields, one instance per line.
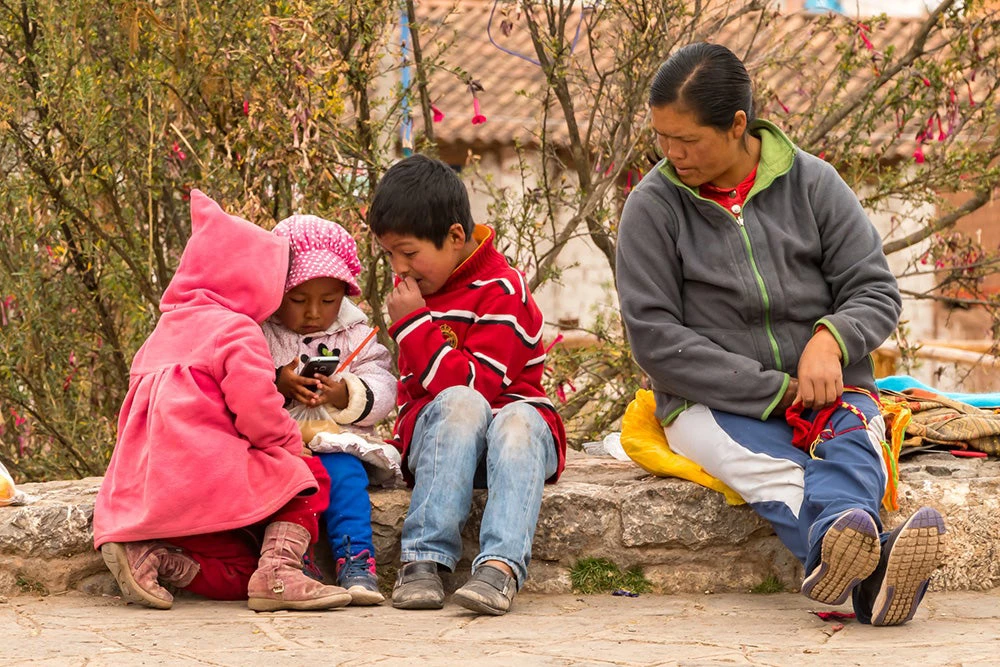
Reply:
x=204 y=444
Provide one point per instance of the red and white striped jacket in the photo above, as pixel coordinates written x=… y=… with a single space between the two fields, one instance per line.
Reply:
x=483 y=330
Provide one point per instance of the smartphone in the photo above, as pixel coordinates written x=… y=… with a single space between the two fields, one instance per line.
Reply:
x=320 y=366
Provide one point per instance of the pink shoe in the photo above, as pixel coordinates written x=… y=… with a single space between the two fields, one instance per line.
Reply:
x=139 y=567
x=279 y=582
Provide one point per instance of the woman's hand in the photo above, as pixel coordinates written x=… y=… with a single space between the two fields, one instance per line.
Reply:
x=404 y=299
x=294 y=386
x=820 y=373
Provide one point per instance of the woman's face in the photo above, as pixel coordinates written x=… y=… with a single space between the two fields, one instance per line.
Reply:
x=698 y=153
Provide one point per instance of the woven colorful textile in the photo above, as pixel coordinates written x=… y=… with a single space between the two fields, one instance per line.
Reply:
x=938 y=420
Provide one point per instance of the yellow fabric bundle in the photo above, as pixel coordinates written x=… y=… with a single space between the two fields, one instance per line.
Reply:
x=644 y=441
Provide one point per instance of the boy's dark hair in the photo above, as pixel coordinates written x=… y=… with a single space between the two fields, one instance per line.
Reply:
x=421 y=197
x=709 y=80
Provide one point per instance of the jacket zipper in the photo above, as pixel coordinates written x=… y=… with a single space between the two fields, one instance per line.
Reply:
x=738 y=212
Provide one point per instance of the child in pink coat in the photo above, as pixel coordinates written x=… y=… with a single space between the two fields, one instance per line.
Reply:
x=315 y=319
x=208 y=488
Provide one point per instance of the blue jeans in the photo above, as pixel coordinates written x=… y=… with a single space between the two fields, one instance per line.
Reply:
x=458 y=445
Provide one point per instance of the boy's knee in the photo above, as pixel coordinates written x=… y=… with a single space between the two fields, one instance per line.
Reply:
x=518 y=426
x=463 y=404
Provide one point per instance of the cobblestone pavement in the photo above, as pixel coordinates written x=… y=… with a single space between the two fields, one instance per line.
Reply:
x=959 y=628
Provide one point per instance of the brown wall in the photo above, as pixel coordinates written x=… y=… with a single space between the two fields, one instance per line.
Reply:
x=984 y=224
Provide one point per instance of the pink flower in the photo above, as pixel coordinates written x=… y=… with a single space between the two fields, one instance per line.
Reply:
x=438 y=114
x=178 y=153
x=477 y=118
x=864 y=38
x=556 y=341
x=918 y=154
x=246 y=107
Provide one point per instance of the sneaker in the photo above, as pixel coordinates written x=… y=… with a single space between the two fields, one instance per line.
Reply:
x=489 y=591
x=357 y=574
x=418 y=586
x=850 y=553
x=911 y=554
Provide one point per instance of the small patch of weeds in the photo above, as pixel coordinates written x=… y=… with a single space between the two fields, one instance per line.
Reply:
x=31 y=586
x=769 y=586
x=600 y=575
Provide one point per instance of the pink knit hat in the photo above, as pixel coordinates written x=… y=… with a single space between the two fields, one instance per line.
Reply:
x=320 y=249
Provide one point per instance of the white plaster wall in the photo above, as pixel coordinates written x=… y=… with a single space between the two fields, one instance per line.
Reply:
x=585 y=288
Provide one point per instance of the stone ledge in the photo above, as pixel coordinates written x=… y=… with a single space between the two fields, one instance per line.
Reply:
x=683 y=536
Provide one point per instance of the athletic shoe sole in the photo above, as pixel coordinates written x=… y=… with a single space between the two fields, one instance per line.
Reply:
x=913 y=556
x=849 y=554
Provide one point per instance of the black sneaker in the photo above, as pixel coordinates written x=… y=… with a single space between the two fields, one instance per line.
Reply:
x=357 y=575
x=912 y=553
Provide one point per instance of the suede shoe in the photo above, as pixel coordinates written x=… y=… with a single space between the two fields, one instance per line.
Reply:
x=141 y=567
x=849 y=554
x=912 y=553
x=418 y=586
x=490 y=590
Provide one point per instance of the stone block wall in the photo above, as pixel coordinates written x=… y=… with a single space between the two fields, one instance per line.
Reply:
x=683 y=536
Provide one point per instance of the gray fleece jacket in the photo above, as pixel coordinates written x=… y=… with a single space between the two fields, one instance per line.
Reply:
x=719 y=309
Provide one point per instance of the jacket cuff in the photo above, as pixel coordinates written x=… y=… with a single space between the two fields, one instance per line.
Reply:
x=825 y=323
x=359 y=400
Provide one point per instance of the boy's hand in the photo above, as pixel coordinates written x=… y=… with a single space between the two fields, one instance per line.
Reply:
x=821 y=377
x=294 y=386
x=404 y=299
x=333 y=392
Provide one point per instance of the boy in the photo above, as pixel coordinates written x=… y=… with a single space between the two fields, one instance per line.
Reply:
x=473 y=413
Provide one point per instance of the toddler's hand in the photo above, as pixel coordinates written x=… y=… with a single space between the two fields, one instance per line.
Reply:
x=332 y=392
x=404 y=299
x=294 y=386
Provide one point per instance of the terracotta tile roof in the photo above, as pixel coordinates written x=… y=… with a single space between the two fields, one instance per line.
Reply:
x=513 y=85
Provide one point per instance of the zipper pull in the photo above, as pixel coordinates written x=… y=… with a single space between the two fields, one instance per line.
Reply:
x=738 y=212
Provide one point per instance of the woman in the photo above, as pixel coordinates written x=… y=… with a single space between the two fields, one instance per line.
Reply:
x=750 y=279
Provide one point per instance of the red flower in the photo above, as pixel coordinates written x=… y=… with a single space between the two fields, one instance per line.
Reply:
x=477 y=117
x=438 y=114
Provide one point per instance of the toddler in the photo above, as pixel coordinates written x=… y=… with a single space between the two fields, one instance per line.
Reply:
x=315 y=319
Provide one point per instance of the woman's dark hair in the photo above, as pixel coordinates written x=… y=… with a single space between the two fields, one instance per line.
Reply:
x=709 y=80
x=422 y=197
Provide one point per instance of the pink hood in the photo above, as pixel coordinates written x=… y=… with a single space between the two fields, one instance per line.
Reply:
x=228 y=262
x=204 y=444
